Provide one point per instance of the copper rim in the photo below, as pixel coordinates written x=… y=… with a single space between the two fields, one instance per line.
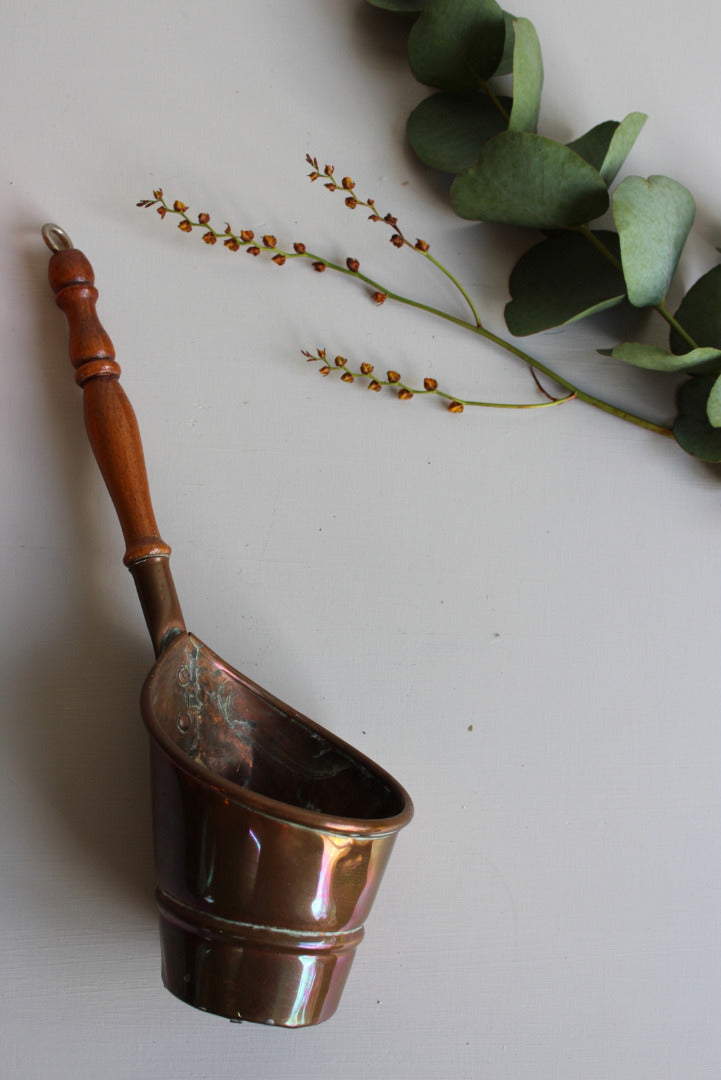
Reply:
x=264 y=804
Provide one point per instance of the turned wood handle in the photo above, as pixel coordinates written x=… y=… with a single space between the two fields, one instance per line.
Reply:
x=114 y=436
x=109 y=417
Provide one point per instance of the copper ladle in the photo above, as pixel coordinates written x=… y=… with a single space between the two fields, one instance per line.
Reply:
x=271 y=835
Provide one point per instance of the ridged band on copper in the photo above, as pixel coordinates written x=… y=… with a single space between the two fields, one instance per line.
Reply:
x=277 y=939
x=145 y=548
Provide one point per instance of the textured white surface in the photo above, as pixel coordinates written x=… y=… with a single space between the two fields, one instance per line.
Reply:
x=549 y=578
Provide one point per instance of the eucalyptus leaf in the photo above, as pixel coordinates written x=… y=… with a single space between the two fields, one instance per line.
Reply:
x=526 y=179
x=607 y=145
x=700 y=312
x=505 y=67
x=562 y=279
x=527 y=77
x=693 y=430
x=621 y=143
x=457 y=44
x=447 y=131
x=713 y=404
x=653 y=218
x=593 y=146
x=656 y=359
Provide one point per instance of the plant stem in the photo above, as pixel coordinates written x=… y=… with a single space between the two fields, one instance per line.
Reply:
x=675 y=325
x=600 y=246
x=382 y=292
x=419 y=248
x=486 y=86
x=660 y=308
x=508 y=346
x=456 y=282
x=376 y=383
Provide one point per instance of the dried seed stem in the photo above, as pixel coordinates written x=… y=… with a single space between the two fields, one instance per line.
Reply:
x=235 y=241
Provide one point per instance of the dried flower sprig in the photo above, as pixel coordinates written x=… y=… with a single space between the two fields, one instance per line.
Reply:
x=405 y=392
x=379 y=293
x=398 y=239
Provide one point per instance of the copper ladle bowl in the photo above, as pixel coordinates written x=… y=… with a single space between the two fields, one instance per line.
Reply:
x=271 y=835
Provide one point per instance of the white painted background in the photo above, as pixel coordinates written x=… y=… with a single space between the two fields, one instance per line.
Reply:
x=550 y=578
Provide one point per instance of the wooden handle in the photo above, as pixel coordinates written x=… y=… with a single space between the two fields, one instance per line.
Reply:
x=114 y=436
x=109 y=417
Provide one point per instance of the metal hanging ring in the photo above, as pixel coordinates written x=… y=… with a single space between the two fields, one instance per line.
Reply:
x=56 y=238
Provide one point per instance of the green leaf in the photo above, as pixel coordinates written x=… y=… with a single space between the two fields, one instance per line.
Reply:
x=607 y=145
x=653 y=218
x=693 y=430
x=560 y=280
x=456 y=44
x=413 y=7
x=656 y=359
x=447 y=131
x=700 y=312
x=622 y=141
x=593 y=146
x=505 y=67
x=713 y=404
x=525 y=179
x=527 y=77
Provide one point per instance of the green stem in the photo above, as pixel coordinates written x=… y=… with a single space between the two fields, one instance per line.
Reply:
x=590 y=399
x=474 y=328
x=455 y=281
x=600 y=246
x=397 y=385
x=675 y=325
x=508 y=346
x=660 y=308
x=486 y=86
x=415 y=248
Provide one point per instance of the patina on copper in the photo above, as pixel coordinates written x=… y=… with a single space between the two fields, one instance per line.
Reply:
x=271 y=834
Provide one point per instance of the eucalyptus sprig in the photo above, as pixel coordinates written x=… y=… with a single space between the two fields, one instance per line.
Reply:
x=505 y=172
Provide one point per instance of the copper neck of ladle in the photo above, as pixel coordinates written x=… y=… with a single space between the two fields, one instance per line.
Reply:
x=159 y=600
